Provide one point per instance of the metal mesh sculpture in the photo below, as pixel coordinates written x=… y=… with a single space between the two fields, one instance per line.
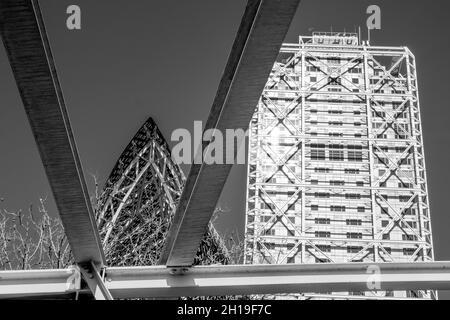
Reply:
x=138 y=202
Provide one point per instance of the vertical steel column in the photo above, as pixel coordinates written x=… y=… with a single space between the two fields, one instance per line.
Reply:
x=303 y=139
x=414 y=111
x=367 y=95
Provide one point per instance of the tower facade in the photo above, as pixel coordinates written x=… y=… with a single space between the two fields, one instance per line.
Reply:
x=336 y=167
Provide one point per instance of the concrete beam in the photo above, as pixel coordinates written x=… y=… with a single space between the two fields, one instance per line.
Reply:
x=161 y=282
x=256 y=47
x=23 y=34
x=39 y=283
x=273 y=279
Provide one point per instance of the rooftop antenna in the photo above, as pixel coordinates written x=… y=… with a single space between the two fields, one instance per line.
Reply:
x=359 y=35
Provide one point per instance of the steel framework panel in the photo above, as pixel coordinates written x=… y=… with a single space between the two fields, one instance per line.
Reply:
x=24 y=36
x=336 y=108
x=262 y=30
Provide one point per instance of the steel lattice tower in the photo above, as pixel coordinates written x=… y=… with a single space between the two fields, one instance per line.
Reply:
x=336 y=159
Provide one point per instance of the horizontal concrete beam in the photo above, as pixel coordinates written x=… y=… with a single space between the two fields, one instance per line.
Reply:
x=272 y=279
x=160 y=282
x=23 y=34
x=39 y=283
x=256 y=47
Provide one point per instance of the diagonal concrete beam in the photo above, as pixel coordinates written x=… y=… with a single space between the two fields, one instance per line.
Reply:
x=257 y=44
x=23 y=34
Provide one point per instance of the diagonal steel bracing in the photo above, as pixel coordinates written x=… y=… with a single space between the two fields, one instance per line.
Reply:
x=23 y=33
x=262 y=30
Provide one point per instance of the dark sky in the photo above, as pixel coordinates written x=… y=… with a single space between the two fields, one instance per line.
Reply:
x=140 y=58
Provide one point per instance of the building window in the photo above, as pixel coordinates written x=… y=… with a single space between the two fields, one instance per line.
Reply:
x=408 y=251
x=312 y=69
x=353 y=222
x=322 y=234
x=361 y=209
x=356 y=156
x=324 y=248
x=323 y=195
x=352 y=171
x=317 y=152
x=355 y=70
x=353 y=235
x=337 y=208
x=336 y=153
x=334 y=60
x=404 y=198
x=355 y=153
x=314 y=207
x=409 y=237
x=352 y=196
x=352 y=249
x=322 y=221
x=334 y=111
x=379 y=114
x=412 y=224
